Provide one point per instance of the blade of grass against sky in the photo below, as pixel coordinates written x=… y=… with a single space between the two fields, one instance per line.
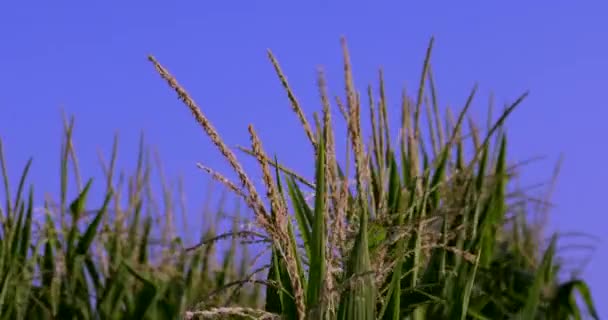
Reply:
x=553 y=51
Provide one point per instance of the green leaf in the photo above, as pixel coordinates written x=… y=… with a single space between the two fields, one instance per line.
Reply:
x=146 y=297
x=89 y=235
x=302 y=212
x=77 y=209
x=534 y=293
x=359 y=302
x=317 y=270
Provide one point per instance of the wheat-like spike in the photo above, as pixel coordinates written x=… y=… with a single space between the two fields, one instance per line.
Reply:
x=278 y=228
x=354 y=125
x=216 y=313
x=223 y=180
x=295 y=105
x=342 y=109
x=334 y=216
x=282 y=168
x=254 y=202
x=276 y=204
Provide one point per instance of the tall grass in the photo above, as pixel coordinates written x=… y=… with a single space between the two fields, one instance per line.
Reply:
x=422 y=234
x=413 y=227
x=119 y=259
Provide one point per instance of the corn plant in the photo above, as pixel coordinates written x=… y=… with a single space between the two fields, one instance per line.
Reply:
x=119 y=260
x=421 y=226
x=420 y=229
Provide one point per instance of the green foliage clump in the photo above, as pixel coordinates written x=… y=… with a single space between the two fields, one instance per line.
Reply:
x=118 y=261
x=420 y=229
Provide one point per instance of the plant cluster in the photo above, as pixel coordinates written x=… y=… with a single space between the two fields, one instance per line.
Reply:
x=407 y=227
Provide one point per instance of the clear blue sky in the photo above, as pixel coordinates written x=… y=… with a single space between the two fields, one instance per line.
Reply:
x=90 y=59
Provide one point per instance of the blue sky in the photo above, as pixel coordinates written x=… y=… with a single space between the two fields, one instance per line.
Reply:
x=90 y=60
